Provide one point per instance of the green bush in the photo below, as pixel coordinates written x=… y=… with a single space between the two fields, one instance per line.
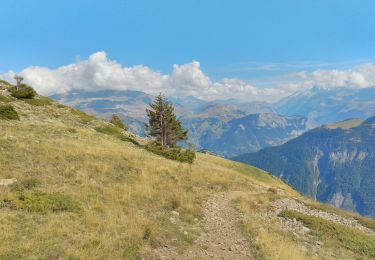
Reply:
x=43 y=101
x=22 y=92
x=40 y=202
x=109 y=130
x=116 y=132
x=7 y=112
x=175 y=153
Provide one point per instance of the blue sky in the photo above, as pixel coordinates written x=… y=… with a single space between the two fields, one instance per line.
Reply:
x=257 y=41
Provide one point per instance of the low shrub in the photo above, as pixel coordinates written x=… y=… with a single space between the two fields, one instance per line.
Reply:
x=41 y=202
x=61 y=106
x=116 y=120
x=272 y=190
x=27 y=184
x=43 y=101
x=336 y=234
x=30 y=183
x=175 y=153
x=22 y=92
x=129 y=139
x=7 y=112
x=116 y=132
x=109 y=130
x=82 y=115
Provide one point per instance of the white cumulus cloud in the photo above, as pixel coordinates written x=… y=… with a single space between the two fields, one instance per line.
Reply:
x=361 y=76
x=98 y=72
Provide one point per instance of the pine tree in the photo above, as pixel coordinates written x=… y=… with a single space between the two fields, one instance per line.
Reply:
x=163 y=124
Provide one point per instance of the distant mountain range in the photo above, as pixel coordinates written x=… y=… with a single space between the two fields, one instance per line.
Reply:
x=243 y=134
x=333 y=163
x=230 y=127
x=329 y=105
x=225 y=127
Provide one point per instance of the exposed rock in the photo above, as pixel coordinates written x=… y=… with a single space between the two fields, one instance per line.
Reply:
x=296 y=226
x=175 y=213
x=6 y=182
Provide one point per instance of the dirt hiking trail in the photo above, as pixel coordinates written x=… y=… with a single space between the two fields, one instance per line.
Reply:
x=221 y=237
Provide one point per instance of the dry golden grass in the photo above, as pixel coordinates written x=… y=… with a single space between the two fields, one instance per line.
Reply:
x=125 y=194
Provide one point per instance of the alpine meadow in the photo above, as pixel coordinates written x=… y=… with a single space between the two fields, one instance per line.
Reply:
x=187 y=130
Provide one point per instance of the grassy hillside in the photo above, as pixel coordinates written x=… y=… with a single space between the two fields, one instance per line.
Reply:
x=87 y=194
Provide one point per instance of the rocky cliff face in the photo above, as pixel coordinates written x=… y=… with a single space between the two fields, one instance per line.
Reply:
x=331 y=164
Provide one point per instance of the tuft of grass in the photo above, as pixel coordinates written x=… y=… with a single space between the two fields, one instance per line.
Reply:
x=7 y=112
x=336 y=234
x=42 y=101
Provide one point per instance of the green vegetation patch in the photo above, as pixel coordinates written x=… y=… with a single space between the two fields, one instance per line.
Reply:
x=7 y=112
x=43 y=101
x=176 y=153
x=364 y=221
x=39 y=202
x=116 y=120
x=5 y=83
x=336 y=234
x=5 y=99
x=82 y=115
x=22 y=92
x=109 y=130
x=116 y=132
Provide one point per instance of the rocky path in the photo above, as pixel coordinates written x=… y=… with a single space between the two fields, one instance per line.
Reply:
x=222 y=236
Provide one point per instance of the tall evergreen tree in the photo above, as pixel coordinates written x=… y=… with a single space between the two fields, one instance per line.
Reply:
x=163 y=123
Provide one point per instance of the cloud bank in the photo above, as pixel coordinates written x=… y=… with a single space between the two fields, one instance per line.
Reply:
x=98 y=72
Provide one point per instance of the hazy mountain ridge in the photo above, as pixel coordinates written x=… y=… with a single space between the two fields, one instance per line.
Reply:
x=329 y=105
x=245 y=134
x=333 y=164
x=226 y=127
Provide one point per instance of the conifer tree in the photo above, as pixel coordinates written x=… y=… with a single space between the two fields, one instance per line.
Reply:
x=163 y=124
